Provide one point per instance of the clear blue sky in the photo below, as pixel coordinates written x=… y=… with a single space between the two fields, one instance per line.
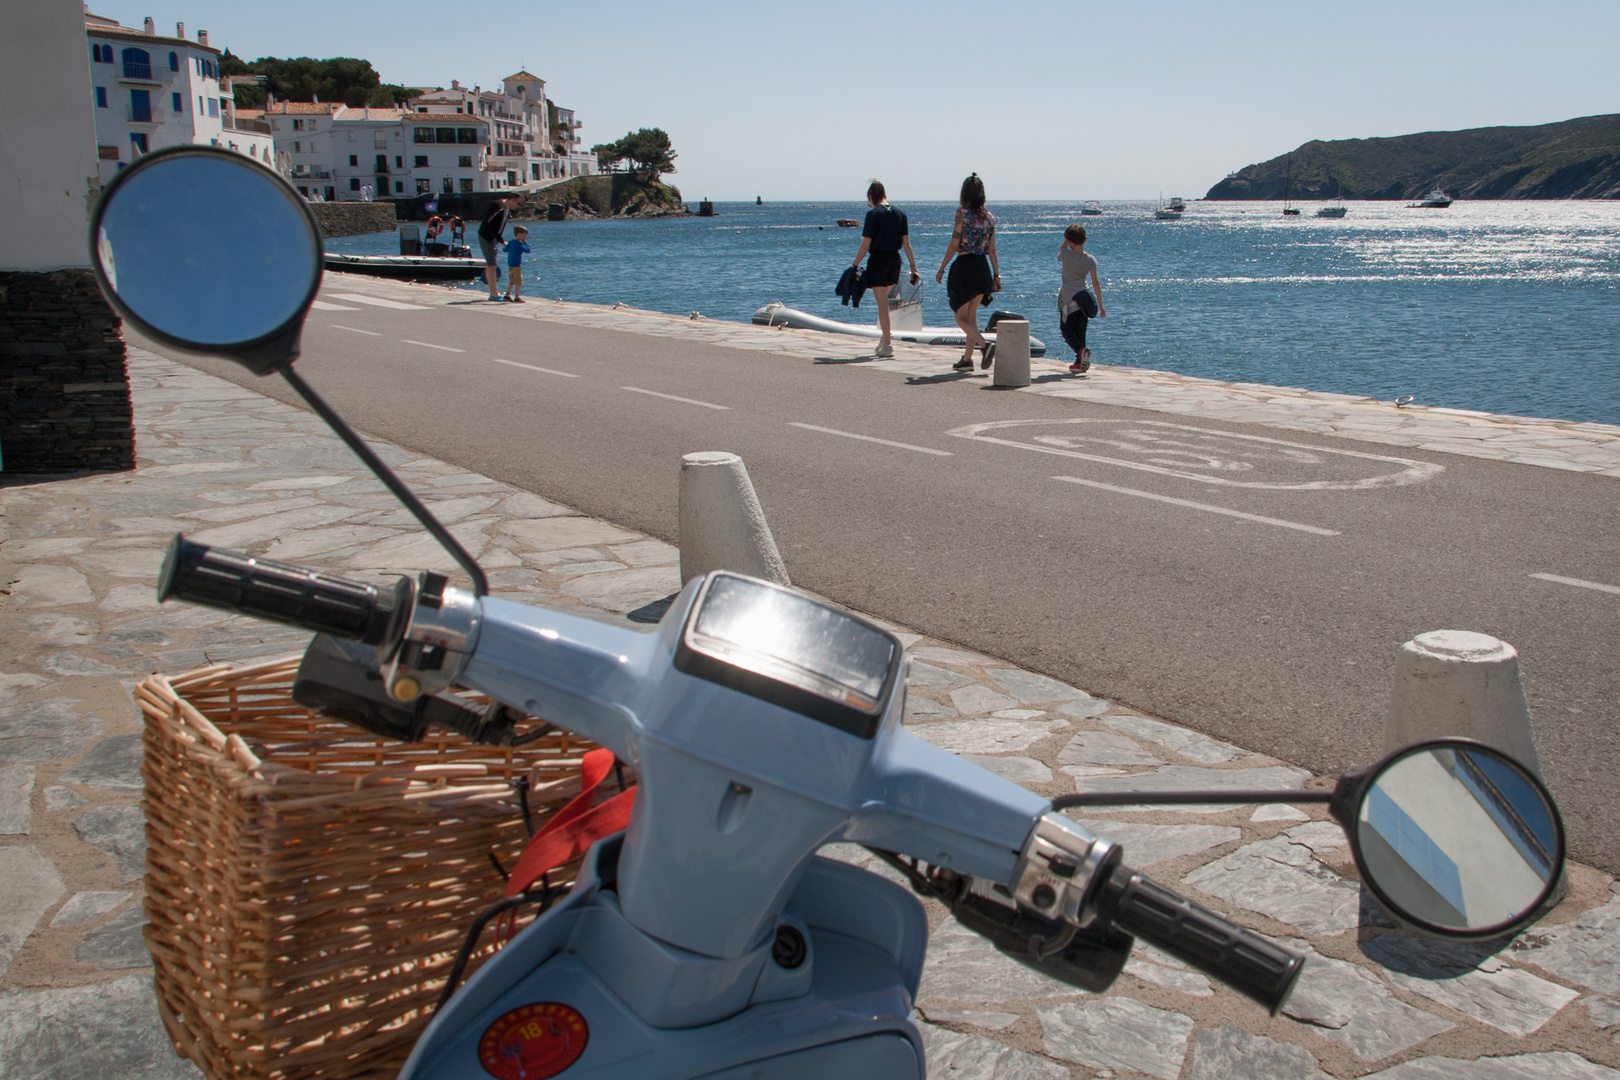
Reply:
x=1044 y=99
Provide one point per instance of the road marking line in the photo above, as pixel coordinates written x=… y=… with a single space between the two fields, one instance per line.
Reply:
x=531 y=367
x=375 y=301
x=870 y=438
x=1578 y=583
x=354 y=330
x=430 y=345
x=322 y=305
x=1199 y=506
x=672 y=397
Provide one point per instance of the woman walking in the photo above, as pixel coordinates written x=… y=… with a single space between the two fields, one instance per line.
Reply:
x=885 y=234
x=976 y=273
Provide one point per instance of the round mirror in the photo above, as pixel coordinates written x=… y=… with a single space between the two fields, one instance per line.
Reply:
x=202 y=248
x=1458 y=839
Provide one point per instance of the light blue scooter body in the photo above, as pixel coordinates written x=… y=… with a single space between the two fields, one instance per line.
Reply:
x=669 y=966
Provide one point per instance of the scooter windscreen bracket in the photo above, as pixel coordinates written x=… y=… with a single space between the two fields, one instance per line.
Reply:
x=791 y=650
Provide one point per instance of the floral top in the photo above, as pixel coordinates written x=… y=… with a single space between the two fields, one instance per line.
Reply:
x=977 y=229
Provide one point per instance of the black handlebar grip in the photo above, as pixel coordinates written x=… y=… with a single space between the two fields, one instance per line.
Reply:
x=1249 y=963
x=276 y=591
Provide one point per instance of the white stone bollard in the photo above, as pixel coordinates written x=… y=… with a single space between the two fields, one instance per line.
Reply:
x=721 y=524
x=1012 y=353
x=1458 y=683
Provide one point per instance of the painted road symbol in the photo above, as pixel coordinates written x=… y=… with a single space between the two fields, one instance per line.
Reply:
x=1206 y=455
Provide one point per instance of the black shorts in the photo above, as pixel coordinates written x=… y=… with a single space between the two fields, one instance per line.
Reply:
x=882 y=268
x=969 y=277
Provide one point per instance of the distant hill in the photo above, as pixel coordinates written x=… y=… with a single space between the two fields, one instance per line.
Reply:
x=1575 y=159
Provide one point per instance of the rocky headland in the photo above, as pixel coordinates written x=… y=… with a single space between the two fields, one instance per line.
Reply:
x=1574 y=159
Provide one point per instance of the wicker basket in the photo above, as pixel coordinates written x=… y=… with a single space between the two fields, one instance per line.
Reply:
x=308 y=884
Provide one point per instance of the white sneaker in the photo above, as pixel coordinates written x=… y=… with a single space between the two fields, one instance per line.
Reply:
x=883 y=352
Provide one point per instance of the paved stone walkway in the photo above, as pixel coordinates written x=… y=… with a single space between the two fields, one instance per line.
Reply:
x=78 y=626
x=1553 y=444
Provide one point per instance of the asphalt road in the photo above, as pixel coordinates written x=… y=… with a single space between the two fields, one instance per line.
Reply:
x=1247 y=582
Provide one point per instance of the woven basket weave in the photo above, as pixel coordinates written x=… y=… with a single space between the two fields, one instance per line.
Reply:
x=308 y=884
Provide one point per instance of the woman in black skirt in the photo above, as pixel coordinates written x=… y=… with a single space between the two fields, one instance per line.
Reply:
x=975 y=274
x=885 y=235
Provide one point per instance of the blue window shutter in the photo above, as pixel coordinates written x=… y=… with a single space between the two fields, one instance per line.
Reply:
x=101 y=97
x=174 y=99
x=174 y=62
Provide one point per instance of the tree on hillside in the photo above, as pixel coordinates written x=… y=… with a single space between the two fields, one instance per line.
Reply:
x=648 y=151
x=342 y=79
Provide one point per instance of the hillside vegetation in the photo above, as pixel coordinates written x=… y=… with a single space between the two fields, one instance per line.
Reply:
x=1575 y=159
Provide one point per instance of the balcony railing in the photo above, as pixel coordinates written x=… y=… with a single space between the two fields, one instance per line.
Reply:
x=310 y=172
x=260 y=126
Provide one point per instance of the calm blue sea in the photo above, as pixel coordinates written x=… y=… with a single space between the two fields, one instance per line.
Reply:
x=1508 y=307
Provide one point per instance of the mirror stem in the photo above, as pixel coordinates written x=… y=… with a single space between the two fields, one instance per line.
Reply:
x=1188 y=798
x=394 y=484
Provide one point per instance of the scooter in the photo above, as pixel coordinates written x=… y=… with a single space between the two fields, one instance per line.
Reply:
x=703 y=935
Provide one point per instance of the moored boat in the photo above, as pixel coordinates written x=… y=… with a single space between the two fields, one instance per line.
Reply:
x=1434 y=200
x=410 y=267
x=1331 y=211
x=847 y=223
x=1091 y=208
x=779 y=314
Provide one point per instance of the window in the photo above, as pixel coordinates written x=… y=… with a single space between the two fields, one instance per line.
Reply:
x=445 y=135
x=354 y=159
x=101 y=97
x=101 y=54
x=174 y=62
x=511 y=179
x=380 y=139
x=464 y=161
x=213 y=106
x=201 y=108
x=466 y=185
x=423 y=135
x=421 y=161
x=421 y=108
x=137 y=140
x=468 y=135
x=424 y=186
x=449 y=186
x=399 y=187
x=174 y=103
x=354 y=183
x=331 y=194
x=298 y=147
x=137 y=64
x=399 y=161
x=140 y=107
x=298 y=125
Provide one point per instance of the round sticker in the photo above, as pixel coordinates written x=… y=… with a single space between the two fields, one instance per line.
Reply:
x=533 y=1042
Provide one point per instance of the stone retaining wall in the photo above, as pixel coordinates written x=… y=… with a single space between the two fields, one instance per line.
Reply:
x=64 y=383
x=354 y=218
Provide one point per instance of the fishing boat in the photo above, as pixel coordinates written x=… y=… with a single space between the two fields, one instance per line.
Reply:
x=1434 y=200
x=1177 y=204
x=1091 y=209
x=409 y=267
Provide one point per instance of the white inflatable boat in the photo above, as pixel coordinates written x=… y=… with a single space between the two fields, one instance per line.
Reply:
x=905 y=323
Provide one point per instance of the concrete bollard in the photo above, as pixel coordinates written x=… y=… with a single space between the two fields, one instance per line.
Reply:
x=1012 y=353
x=721 y=524
x=1458 y=683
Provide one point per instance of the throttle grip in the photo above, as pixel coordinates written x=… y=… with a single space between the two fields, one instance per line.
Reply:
x=1251 y=964
x=281 y=592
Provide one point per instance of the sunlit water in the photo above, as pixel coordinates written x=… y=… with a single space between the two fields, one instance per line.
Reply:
x=1508 y=307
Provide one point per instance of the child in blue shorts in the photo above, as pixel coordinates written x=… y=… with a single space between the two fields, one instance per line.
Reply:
x=515 y=248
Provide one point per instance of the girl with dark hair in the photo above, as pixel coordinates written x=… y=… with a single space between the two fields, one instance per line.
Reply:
x=976 y=273
x=885 y=235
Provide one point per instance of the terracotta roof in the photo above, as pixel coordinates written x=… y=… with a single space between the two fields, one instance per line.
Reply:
x=525 y=74
x=124 y=33
x=304 y=108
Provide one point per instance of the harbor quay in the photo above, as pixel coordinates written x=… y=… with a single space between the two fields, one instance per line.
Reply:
x=233 y=467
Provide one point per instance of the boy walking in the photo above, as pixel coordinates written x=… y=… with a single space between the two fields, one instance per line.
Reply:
x=1078 y=304
x=515 y=248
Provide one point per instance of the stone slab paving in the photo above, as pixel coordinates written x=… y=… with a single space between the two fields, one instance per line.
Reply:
x=78 y=626
x=1555 y=444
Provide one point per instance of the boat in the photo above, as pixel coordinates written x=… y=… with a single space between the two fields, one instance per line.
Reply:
x=1289 y=210
x=1168 y=213
x=1177 y=204
x=1091 y=208
x=1434 y=200
x=1332 y=211
x=848 y=223
x=410 y=267
x=779 y=314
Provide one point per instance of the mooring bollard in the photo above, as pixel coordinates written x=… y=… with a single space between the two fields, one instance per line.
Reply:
x=1012 y=353
x=721 y=524
x=1459 y=683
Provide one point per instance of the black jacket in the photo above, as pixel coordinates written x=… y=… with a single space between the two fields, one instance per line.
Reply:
x=852 y=286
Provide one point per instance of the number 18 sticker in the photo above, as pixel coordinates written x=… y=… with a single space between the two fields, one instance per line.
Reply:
x=533 y=1042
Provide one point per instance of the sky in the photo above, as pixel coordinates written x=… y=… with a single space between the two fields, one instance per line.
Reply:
x=1044 y=99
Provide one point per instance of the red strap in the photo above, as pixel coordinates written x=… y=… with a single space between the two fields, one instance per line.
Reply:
x=575 y=827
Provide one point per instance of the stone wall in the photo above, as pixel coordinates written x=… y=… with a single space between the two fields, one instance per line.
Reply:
x=64 y=387
x=353 y=218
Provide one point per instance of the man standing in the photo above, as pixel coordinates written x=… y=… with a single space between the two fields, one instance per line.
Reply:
x=490 y=237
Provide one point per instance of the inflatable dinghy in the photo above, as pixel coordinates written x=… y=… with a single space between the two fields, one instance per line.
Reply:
x=905 y=323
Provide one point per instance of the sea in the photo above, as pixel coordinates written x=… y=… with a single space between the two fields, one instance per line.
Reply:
x=1503 y=307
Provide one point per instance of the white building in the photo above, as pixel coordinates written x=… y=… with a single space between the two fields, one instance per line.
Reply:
x=339 y=153
x=149 y=92
x=530 y=138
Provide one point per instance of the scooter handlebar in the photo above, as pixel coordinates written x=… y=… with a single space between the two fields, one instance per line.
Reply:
x=280 y=592
x=1242 y=959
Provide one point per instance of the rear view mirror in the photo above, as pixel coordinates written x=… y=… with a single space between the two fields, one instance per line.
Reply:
x=1454 y=838
x=202 y=249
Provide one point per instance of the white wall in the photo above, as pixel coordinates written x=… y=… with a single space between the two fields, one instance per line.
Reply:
x=47 y=136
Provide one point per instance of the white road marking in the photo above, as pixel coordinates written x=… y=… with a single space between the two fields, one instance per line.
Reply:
x=1199 y=506
x=531 y=367
x=672 y=397
x=322 y=305
x=354 y=330
x=870 y=438
x=376 y=301
x=1577 y=582
x=430 y=345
